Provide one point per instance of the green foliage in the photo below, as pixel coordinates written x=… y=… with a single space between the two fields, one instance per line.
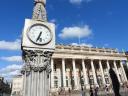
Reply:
x=4 y=87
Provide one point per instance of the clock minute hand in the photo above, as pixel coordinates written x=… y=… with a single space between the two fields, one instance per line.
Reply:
x=39 y=36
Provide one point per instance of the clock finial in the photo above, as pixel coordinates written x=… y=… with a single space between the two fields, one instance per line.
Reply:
x=39 y=11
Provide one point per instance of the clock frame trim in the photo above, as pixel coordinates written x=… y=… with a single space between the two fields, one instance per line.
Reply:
x=29 y=28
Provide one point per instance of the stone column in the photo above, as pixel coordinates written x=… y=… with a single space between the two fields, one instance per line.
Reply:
x=52 y=73
x=102 y=72
x=36 y=72
x=108 y=66
x=59 y=77
x=85 y=73
x=74 y=71
x=94 y=74
x=124 y=74
x=127 y=63
x=116 y=71
x=64 y=75
x=24 y=84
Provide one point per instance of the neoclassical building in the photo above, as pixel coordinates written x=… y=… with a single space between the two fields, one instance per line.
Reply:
x=81 y=66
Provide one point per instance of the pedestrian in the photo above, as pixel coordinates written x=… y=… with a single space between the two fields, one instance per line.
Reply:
x=106 y=90
x=82 y=92
x=96 y=91
x=91 y=91
x=69 y=91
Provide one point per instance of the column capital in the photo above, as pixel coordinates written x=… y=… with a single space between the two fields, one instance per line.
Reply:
x=73 y=59
x=107 y=60
x=115 y=60
x=99 y=60
x=120 y=61
x=91 y=59
x=63 y=58
x=83 y=60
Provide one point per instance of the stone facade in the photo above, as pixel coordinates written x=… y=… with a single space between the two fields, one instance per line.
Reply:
x=17 y=86
x=127 y=57
x=75 y=67
x=80 y=66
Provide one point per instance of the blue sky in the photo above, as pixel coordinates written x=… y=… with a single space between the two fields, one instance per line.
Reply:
x=98 y=23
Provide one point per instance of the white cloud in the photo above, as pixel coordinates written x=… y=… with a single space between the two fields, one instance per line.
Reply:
x=75 y=32
x=53 y=20
x=11 y=70
x=12 y=58
x=6 y=45
x=77 y=2
x=82 y=44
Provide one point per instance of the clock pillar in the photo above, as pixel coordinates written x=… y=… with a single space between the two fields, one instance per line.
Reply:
x=37 y=53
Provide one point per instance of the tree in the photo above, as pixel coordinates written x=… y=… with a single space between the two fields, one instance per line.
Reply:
x=4 y=87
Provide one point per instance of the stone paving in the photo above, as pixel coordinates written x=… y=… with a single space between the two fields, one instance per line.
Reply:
x=123 y=92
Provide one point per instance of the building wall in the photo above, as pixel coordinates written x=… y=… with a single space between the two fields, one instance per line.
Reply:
x=80 y=66
x=17 y=85
x=75 y=67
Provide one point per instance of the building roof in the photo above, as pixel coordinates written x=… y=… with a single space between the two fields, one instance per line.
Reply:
x=87 y=48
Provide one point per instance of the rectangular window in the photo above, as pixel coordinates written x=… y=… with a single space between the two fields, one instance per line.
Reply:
x=56 y=84
x=91 y=81
x=67 y=83
x=107 y=80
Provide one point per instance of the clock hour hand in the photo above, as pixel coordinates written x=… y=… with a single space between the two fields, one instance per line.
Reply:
x=38 y=38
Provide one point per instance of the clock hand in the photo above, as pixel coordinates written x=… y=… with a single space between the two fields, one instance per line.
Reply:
x=39 y=36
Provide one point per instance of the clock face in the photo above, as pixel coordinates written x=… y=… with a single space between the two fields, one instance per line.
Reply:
x=39 y=34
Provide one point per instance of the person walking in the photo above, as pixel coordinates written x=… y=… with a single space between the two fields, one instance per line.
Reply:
x=69 y=91
x=91 y=92
x=82 y=92
x=96 y=91
x=107 y=90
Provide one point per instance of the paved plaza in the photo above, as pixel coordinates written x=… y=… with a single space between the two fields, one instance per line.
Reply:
x=123 y=92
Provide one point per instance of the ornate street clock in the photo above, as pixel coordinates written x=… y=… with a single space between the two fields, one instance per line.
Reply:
x=38 y=45
x=40 y=34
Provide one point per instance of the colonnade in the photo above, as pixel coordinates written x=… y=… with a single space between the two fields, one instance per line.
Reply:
x=119 y=70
